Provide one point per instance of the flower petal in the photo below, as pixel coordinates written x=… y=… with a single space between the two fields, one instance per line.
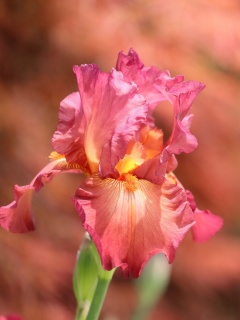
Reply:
x=68 y=139
x=145 y=77
x=157 y=86
x=182 y=94
x=191 y=200
x=130 y=220
x=172 y=164
x=135 y=156
x=152 y=140
x=17 y=216
x=207 y=225
x=113 y=112
x=152 y=170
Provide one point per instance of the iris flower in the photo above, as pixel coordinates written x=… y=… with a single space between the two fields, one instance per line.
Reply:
x=130 y=201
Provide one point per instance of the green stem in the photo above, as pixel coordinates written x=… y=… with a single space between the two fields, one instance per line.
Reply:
x=90 y=281
x=99 y=296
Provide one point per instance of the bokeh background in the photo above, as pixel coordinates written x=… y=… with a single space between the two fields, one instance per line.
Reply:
x=40 y=41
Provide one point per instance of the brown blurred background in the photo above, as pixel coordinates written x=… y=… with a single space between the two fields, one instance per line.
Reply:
x=39 y=43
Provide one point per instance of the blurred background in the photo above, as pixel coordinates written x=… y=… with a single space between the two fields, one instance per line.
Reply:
x=40 y=41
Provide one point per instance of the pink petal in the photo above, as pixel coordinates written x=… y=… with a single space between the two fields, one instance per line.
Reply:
x=152 y=170
x=191 y=200
x=113 y=112
x=157 y=86
x=145 y=78
x=182 y=95
x=207 y=224
x=130 y=220
x=172 y=164
x=180 y=141
x=68 y=139
x=17 y=216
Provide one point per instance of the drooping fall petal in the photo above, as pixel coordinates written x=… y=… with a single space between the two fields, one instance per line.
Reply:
x=17 y=216
x=191 y=200
x=207 y=224
x=113 y=112
x=130 y=220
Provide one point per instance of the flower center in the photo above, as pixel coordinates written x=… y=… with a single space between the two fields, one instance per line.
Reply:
x=148 y=146
x=130 y=182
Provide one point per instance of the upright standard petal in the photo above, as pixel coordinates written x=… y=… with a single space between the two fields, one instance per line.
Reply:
x=145 y=77
x=113 y=112
x=181 y=95
x=130 y=219
x=68 y=138
x=156 y=86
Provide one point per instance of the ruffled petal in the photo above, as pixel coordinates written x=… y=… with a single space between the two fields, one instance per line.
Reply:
x=17 y=216
x=156 y=86
x=145 y=77
x=113 y=112
x=207 y=225
x=191 y=200
x=182 y=94
x=130 y=219
x=68 y=138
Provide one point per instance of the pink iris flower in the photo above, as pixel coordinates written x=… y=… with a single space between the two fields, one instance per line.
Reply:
x=130 y=202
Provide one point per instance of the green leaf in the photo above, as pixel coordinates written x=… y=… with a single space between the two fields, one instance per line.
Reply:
x=90 y=281
x=85 y=276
